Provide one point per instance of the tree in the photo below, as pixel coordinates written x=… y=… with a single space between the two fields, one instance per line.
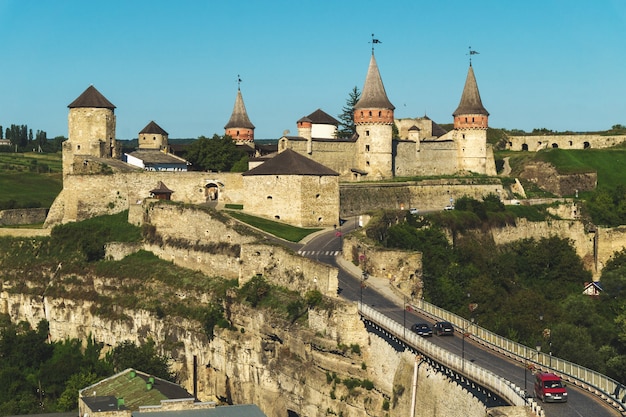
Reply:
x=218 y=153
x=143 y=358
x=347 y=128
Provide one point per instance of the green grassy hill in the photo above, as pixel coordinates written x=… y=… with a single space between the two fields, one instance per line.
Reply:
x=29 y=179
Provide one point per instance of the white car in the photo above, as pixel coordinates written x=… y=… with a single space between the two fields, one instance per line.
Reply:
x=448 y=208
x=413 y=210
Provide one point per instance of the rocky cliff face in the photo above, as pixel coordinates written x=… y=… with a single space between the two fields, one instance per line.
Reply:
x=264 y=360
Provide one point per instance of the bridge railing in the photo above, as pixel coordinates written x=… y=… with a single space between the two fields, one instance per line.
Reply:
x=508 y=391
x=601 y=385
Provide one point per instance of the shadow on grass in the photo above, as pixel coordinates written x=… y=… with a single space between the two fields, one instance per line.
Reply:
x=281 y=230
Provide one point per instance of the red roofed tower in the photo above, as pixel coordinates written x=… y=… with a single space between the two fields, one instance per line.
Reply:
x=373 y=117
x=239 y=126
x=470 y=125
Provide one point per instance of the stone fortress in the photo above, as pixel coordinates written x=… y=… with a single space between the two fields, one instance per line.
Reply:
x=299 y=185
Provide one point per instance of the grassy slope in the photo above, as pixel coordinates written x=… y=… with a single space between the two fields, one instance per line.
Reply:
x=20 y=181
x=610 y=164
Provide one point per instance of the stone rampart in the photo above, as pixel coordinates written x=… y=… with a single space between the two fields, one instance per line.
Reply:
x=423 y=195
x=539 y=142
x=284 y=268
x=403 y=269
x=22 y=216
x=86 y=196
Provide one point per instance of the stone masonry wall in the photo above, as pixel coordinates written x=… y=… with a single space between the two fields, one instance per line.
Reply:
x=535 y=143
x=287 y=269
x=85 y=196
x=425 y=195
x=22 y=216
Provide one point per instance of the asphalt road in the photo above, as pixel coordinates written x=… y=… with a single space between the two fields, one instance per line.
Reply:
x=324 y=248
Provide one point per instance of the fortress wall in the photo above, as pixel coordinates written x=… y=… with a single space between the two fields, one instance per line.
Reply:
x=407 y=159
x=535 y=143
x=281 y=267
x=320 y=201
x=23 y=216
x=337 y=155
x=610 y=241
x=437 y=158
x=85 y=196
x=306 y=201
x=425 y=195
x=403 y=269
x=193 y=225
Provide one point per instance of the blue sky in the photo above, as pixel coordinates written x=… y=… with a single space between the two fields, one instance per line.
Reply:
x=550 y=64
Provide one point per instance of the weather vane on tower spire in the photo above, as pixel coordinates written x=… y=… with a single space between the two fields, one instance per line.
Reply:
x=471 y=52
x=238 y=82
x=374 y=40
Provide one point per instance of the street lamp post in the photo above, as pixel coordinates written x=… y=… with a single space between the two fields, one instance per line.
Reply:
x=547 y=335
x=404 y=316
x=465 y=334
x=526 y=371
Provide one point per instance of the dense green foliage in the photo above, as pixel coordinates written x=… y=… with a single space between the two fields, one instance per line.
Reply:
x=89 y=237
x=39 y=376
x=346 y=127
x=219 y=153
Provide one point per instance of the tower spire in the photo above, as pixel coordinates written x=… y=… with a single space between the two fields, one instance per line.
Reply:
x=239 y=126
x=470 y=105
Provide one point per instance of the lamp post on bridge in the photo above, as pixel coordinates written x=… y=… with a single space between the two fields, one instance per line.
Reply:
x=547 y=335
x=526 y=367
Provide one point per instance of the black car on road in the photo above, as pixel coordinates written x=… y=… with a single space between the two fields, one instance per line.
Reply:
x=444 y=328
x=422 y=329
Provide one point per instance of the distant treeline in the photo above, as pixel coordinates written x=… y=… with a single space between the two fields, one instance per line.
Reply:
x=23 y=139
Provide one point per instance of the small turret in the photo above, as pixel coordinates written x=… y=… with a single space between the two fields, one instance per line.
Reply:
x=153 y=137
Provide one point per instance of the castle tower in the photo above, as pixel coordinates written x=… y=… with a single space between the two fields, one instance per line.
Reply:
x=470 y=128
x=239 y=126
x=373 y=117
x=153 y=137
x=91 y=129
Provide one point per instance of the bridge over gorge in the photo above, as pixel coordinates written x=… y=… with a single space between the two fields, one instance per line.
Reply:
x=489 y=387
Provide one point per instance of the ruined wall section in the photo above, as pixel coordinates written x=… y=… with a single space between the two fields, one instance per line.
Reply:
x=423 y=195
x=284 y=268
x=403 y=269
x=22 y=216
x=539 y=142
x=546 y=177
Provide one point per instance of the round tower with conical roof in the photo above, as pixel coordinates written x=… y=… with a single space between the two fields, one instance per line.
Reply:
x=91 y=129
x=470 y=128
x=373 y=117
x=239 y=127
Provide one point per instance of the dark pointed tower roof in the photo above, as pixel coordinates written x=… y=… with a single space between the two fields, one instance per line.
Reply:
x=290 y=162
x=470 y=100
x=373 y=94
x=153 y=128
x=239 y=118
x=91 y=98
